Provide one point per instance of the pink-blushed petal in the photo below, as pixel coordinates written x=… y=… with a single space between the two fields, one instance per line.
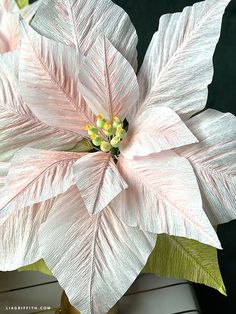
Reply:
x=9 y=23
x=4 y=168
x=19 y=236
x=163 y=197
x=10 y=98
x=178 y=64
x=107 y=81
x=48 y=82
x=9 y=5
x=9 y=31
x=9 y=63
x=18 y=131
x=78 y=23
x=35 y=176
x=98 y=180
x=95 y=258
x=18 y=126
x=214 y=162
x=155 y=130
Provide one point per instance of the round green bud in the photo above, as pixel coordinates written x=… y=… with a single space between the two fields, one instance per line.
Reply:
x=92 y=131
x=105 y=146
x=97 y=141
x=115 y=124
x=119 y=128
x=100 y=123
x=115 y=142
x=121 y=134
x=110 y=132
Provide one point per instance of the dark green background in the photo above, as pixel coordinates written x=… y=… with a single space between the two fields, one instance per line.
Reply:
x=145 y=15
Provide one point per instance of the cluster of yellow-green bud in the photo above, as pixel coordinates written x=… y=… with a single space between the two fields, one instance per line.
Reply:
x=113 y=130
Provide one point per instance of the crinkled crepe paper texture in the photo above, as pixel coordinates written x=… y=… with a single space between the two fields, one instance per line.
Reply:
x=48 y=80
x=19 y=127
x=178 y=257
x=98 y=180
x=145 y=240
x=109 y=86
x=213 y=160
x=70 y=23
x=186 y=35
x=178 y=64
x=9 y=22
x=150 y=204
x=31 y=174
x=9 y=31
x=155 y=130
x=98 y=255
x=174 y=257
x=19 y=236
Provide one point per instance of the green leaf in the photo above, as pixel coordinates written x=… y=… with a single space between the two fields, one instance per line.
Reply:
x=37 y=266
x=83 y=146
x=185 y=259
x=22 y=3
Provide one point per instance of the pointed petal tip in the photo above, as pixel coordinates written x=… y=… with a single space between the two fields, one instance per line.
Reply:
x=214 y=243
x=155 y=130
x=106 y=242
x=223 y=290
x=104 y=184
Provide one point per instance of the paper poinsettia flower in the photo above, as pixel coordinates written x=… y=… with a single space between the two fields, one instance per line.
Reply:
x=152 y=168
x=10 y=10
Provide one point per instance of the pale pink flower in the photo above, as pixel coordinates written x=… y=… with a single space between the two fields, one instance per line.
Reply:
x=9 y=22
x=94 y=220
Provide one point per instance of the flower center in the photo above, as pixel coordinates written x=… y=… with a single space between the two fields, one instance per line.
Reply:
x=107 y=135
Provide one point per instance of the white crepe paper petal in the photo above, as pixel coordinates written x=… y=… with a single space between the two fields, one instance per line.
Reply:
x=9 y=23
x=178 y=64
x=92 y=219
x=98 y=180
x=9 y=31
x=155 y=130
x=9 y=5
x=4 y=168
x=18 y=126
x=19 y=236
x=35 y=176
x=9 y=63
x=107 y=81
x=163 y=197
x=97 y=255
x=79 y=22
x=48 y=82
x=213 y=160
